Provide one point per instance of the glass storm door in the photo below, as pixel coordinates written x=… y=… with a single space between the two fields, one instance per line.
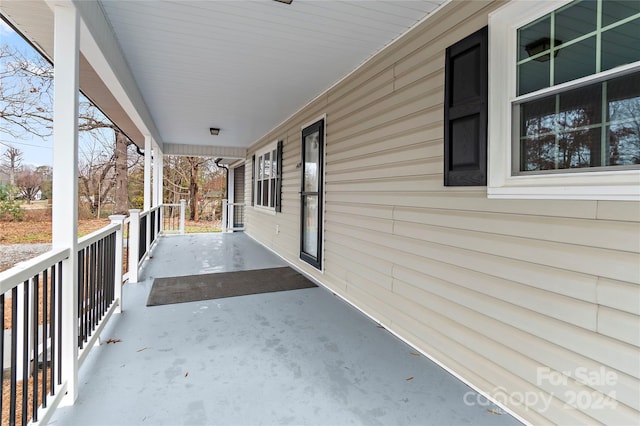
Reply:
x=311 y=194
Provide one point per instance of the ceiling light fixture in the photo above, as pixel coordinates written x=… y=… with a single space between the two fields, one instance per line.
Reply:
x=284 y=1
x=214 y=131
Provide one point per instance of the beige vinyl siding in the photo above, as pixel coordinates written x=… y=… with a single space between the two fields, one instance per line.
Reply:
x=493 y=289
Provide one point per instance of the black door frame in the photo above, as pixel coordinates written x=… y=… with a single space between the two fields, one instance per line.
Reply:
x=316 y=261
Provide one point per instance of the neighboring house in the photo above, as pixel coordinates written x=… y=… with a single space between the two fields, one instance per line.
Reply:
x=476 y=191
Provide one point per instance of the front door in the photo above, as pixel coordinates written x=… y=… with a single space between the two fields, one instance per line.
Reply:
x=311 y=194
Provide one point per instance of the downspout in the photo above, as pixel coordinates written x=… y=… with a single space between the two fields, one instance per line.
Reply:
x=226 y=185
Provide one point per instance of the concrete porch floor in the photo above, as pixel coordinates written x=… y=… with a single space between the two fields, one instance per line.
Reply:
x=296 y=357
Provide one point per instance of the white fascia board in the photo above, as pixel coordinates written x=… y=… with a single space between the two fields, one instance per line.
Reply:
x=101 y=48
x=228 y=152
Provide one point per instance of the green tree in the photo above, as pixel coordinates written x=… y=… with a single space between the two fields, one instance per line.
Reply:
x=9 y=208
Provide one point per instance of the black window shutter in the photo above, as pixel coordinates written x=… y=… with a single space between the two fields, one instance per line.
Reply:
x=253 y=180
x=278 y=193
x=465 y=111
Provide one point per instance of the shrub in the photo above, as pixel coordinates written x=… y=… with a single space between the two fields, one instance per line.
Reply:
x=9 y=208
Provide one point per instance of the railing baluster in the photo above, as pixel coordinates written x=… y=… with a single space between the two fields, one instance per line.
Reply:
x=90 y=293
x=59 y=312
x=100 y=282
x=45 y=332
x=81 y=282
x=53 y=330
x=14 y=356
x=36 y=306
x=2 y=355
x=25 y=354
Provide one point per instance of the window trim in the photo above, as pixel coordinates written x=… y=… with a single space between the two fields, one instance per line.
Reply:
x=502 y=183
x=259 y=154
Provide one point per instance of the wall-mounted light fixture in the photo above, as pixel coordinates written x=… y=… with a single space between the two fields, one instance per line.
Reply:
x=214 y=131
x=539 y=46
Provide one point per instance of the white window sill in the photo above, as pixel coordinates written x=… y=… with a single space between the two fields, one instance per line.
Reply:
x=618 y=185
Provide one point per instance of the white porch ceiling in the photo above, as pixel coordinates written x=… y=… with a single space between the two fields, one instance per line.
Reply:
x=241 y=66
x=245 y=66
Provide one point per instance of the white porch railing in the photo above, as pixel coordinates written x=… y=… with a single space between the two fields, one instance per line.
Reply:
x=232 y=216
x=144 y=229
x=31 y=297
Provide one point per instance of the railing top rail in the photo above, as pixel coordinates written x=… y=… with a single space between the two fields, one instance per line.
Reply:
x=87 y=240
x=170 y=205
x=29 y=268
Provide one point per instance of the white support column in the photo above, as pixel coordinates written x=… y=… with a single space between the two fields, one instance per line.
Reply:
x=148 y=144
x=65 y=182
x=183 y=208
x=157 y=176
x=230 y=212
x=119 y=220
x=225 y=218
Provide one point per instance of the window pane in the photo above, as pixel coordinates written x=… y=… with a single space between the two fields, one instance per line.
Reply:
x=532 y=76
x=576 y=20
x=532 y=33
x=623 y=132
x=267 y=165
x=259 y=192
x=575 y=61
x=537 y=132
x=265 y=193
x=260 y=169
x=614 y=11
x=562 y=131
x=580 y=107
x=272 y=197
x=311 y=154
x=274 y=162
x=310 y=226
x=621 y=45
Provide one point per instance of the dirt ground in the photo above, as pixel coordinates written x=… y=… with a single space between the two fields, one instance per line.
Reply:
x=34 y=231
x=36 y=228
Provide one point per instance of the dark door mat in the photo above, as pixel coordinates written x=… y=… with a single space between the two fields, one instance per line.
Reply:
x=192 y=288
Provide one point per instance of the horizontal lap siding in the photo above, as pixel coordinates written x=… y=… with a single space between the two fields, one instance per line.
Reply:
x=492 y=289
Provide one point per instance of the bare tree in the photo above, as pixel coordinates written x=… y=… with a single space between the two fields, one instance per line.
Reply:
x=95 y=173
x=29 y=182
x=25 y=93
x=10 y=162
x=194 y=164
x=26 y=90
x=186 y=177
x=120 y=175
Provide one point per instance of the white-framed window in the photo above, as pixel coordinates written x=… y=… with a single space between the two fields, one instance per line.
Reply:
x=564 y=100
x=266 y=172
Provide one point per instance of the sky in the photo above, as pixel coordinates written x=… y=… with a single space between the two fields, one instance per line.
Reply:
x=38 y=151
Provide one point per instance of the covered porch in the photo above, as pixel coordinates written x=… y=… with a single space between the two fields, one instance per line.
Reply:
x=294 y=357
